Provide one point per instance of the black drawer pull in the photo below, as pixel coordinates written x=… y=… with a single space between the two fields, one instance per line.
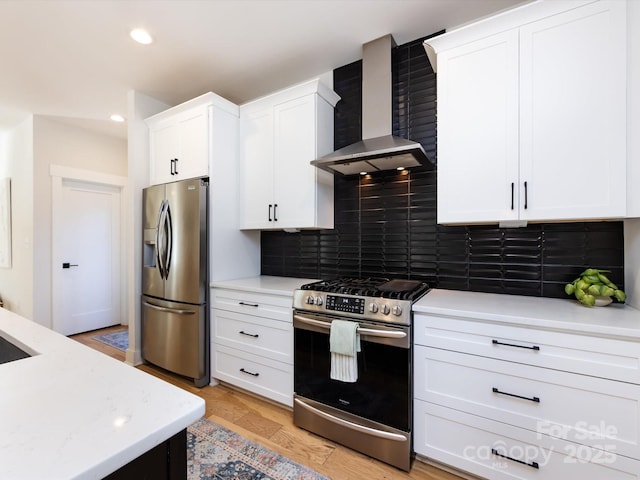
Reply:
x=531 y=399
x=532 y=464
x=249 y=373
x=248 y=304
x=254 y=335
x=533 y=347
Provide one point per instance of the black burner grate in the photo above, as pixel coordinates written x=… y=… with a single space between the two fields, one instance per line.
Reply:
x=410 y=290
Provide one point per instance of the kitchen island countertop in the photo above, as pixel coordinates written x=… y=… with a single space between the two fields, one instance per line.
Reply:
x=615 y=320
x=70 y=412
x=264 y=284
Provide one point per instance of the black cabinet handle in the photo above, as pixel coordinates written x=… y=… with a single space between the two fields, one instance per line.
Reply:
x=525 y=195
x=254 y=335
x=270 y=212
x=68 y=265
x=275 y=218
x=522 y=462
x=248 y=304
x=174 y=166
x=249 y=373
x=512 y=189
x=531 y=399
x=532 y=347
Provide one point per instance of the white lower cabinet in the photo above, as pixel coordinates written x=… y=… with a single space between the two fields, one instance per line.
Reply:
x=252 y=342
x=499 y=451
x=506 y=402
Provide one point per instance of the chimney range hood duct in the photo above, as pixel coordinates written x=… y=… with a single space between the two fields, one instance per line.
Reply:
x=379 y=150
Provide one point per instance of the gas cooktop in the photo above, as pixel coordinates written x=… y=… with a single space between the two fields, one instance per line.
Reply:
x=411 y=290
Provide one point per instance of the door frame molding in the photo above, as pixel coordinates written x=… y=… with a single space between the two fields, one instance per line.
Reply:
x=58 y=174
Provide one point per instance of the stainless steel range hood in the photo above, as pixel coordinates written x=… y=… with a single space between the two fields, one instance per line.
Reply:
x=379 y=150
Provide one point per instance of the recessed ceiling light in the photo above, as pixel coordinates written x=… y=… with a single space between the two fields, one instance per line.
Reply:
x=141 y=36
x=117 y=118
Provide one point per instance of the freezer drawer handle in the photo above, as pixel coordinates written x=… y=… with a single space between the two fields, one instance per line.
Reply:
x=248 y=304
x=171 y=310
x=522 y=462
x=249 y=373
x=532 y=347
x=531 y=399
x=254 y=335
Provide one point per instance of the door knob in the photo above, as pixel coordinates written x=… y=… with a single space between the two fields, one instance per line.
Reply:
x=68 y=265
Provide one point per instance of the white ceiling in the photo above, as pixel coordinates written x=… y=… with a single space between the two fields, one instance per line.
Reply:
x=74 y=60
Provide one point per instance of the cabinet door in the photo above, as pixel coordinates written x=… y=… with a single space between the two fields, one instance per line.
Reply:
x=572 y=106
x=257 y=169
x=163 y=148
x=294 y=176
x=180 y=146
x=194 y=142
x=478 y=131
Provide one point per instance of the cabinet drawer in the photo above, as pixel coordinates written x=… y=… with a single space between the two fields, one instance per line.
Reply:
x=259 y=335
x=259 y=375
x=277 y=307
x=468 y=442
x=586 y=410
x=589 y=355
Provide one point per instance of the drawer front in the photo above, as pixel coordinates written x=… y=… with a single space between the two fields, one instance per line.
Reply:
x=586 y=410
x=277 y=307
x=596 y=356
x=255 y=374
x=495 y=450
x=258 y=335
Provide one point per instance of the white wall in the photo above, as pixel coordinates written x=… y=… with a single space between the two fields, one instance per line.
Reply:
x=56 y=143
x=16 y=162
x=139 y=107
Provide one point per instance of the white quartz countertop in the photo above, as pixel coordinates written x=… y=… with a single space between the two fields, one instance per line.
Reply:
x=264 y=284
x=70 y=412
x=615 y=320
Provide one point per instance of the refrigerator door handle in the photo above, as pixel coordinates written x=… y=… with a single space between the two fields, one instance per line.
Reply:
x=169 y=244
x=162 y=240
x=170 y=310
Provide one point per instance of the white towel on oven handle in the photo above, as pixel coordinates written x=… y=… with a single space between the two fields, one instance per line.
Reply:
x=344 y=345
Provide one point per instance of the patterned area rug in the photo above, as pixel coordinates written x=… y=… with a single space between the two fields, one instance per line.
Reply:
x=215 y=453
x=119 y=340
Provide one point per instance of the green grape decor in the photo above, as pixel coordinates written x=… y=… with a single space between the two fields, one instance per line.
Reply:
x=591 y=284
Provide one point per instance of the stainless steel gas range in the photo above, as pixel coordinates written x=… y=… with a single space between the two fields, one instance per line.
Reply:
x=374 y=413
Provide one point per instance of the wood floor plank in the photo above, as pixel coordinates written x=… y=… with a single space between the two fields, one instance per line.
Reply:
x=271 y=426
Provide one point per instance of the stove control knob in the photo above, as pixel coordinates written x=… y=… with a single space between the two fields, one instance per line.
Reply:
x=310 y=300
x=318 y=301
x=396 y=310
x=385 y=309
x=373 y=307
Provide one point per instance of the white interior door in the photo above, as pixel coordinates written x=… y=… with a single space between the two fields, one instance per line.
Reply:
x=86 y=259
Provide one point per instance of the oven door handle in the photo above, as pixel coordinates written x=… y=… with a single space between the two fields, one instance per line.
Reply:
x=361 y=331
x=353 y=426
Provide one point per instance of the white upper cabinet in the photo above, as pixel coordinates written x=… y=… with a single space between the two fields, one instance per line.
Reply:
x=280 y=135
x=532 y=115
x=180 y=139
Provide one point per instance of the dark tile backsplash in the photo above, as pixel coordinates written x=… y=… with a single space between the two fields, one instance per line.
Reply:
x=385 y=224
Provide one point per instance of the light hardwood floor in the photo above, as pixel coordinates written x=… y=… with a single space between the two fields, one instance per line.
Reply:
x=272 y=426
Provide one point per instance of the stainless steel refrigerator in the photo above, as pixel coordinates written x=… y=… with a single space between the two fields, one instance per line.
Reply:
x=175 y=326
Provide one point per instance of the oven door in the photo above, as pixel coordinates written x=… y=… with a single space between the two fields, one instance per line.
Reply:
x=383 y=391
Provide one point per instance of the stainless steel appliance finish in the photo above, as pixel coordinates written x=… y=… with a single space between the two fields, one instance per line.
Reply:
x=373 y=415
x=175 y=332
x=379 y=149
